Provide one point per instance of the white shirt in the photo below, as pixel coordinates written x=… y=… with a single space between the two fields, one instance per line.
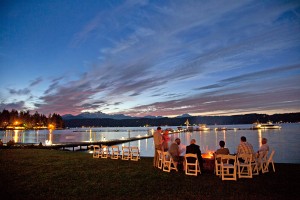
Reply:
x=182 y=149
x=264 y=147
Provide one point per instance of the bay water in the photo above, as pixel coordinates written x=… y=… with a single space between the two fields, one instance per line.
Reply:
x=284 y=141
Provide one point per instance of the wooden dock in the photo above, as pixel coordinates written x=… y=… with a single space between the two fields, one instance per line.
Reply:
x=81 y=145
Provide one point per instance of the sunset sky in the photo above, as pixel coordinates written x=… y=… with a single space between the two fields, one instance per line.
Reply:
x=141 y=58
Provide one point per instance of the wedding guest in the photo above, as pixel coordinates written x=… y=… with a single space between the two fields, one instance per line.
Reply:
x=222 y=150
x=245 y=147
x=264 y=147
x=195 y=149
x=174 y=151
x=166 y=140
x=182 y=150
x=157 y=137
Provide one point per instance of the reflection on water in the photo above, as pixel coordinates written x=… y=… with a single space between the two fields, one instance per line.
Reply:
x=49 y=141
x=259 y=137
x=284 y=141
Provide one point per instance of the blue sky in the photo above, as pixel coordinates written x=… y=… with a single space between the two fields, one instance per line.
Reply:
x=142 y=58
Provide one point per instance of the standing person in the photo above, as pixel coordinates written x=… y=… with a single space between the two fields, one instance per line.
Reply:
x=195 y=149
x=157 y=137
x=166 y=140
x=244 y=147
x=264 y=147
x=222 y=150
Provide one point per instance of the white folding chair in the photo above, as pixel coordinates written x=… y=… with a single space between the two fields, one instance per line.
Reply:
x=255 y=166
x=218 y=160
x=191 y=164
x=134 y=153
x=125 y=153
x=97 y=151
x=115 y=153
x=267 y=163
x=168 y=162
x=159 y=159
x=244 y=168
x=228 y=170
x=262 y=158
x=105 y=151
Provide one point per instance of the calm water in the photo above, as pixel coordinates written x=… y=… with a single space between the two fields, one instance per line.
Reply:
x=284 y=141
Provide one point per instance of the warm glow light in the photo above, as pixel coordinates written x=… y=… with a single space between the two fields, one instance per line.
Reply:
x=49 y=142
x=91 y=135
x=16 y=137
x=208 y=155
x=50 y=126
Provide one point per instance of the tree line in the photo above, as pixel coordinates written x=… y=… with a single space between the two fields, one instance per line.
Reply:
x=193 y=120
x=26 y=120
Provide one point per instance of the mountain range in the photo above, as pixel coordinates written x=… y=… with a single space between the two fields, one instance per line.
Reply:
x=101 y=115
x=104 y=120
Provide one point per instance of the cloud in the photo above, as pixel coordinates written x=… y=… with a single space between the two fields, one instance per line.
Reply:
x=181 y=57
x=24 y=91
x=83 y=35
x=272 y=73
x=36 y=81
x=16 y=105
x=222 y=104
x=213 y=86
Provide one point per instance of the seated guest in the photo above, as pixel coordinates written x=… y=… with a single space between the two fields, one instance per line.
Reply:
x=182 y=149
x=244 y=147
x=222 y=150
x=195 y=149
x=264 y=147
x=174 y=151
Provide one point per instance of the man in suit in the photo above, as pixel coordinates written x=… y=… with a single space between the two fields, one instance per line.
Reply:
x=195 y=149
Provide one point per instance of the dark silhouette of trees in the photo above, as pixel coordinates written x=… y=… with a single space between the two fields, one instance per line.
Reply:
x=28 y=121
x=179 y=121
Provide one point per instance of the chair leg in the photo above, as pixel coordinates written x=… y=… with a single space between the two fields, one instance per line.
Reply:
x=273 y=166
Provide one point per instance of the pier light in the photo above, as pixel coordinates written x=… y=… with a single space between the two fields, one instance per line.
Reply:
x=50 y=126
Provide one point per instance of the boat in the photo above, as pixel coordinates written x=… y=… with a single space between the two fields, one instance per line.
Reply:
x=268 y=125
x=202 y=127
x=221 y=129
x=179 y=129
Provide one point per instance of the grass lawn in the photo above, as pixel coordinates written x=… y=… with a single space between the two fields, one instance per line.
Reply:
x=53 y=174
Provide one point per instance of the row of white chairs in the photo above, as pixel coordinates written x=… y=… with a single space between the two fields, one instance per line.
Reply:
x=228 y=167
x=113 y=152
x=167 y=163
